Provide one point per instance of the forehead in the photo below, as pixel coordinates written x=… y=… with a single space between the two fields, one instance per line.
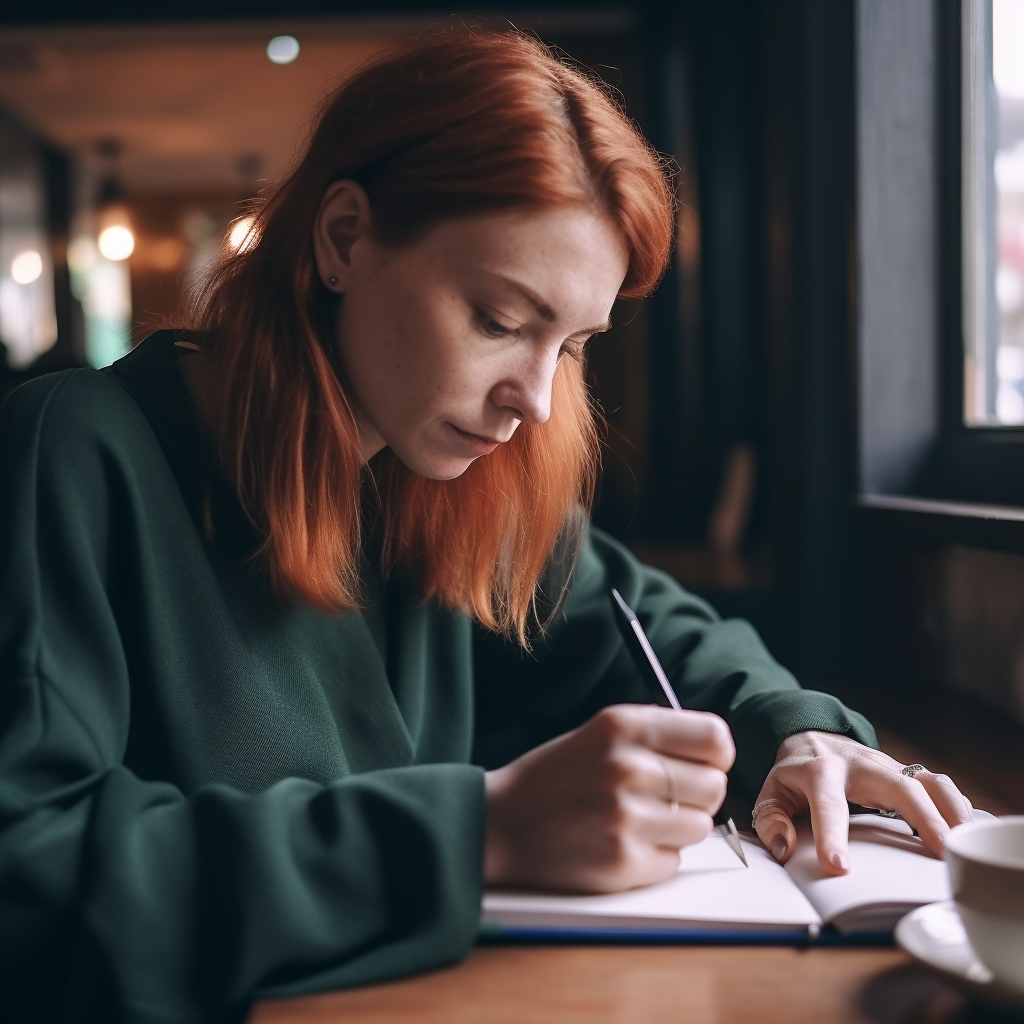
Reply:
x=570 y=257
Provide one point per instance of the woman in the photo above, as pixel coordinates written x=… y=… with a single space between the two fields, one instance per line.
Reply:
x=267 y=582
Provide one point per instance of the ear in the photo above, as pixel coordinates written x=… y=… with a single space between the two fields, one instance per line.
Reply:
x=342 y=220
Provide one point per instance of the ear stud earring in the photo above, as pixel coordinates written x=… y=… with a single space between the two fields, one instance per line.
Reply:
x=332 y=281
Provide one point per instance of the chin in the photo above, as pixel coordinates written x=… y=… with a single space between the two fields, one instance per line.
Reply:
x=436 y=468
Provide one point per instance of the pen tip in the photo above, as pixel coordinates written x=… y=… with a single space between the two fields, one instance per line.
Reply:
x=731 y=835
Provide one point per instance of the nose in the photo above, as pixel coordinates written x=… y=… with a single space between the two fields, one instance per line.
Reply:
x=526 y=390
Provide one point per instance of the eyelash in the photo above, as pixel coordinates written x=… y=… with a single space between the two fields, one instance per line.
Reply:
x=576 y=352
x=493 y=329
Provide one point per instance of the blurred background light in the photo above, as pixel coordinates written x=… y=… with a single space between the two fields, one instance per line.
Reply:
x=26 y=267
x=116 y=242
x=283 y=49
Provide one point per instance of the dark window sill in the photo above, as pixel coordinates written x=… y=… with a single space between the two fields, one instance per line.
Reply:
x=977 y=466
x=998 y=527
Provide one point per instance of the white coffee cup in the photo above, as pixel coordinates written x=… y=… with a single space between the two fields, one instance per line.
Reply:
x=986 y=873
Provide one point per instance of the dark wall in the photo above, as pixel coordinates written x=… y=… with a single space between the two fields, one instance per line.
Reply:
x=772 y=93
x=756 y=100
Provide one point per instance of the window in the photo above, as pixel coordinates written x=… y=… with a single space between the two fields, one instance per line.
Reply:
x=940 y=332
x=993 y=211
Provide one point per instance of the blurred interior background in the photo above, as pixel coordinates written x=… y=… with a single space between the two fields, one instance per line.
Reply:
x=739 y=407
x=130 y=148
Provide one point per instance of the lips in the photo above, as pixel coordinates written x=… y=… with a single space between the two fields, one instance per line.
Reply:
x=478 y=444
x=482 y=438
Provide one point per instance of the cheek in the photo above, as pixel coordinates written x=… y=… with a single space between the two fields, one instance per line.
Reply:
x=410 y=349
x=432 y=347
x=377 y=340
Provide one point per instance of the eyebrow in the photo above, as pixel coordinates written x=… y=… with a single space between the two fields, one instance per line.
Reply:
x=545 y=310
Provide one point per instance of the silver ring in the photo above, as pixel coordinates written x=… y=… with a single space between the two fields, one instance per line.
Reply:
x=888 y=814
x=762 y=805
x=913 y=769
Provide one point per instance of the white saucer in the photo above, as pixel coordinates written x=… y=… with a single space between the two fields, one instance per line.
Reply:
x=935 y=935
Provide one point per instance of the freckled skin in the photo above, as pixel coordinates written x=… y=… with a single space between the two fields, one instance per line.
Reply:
x=441 y=350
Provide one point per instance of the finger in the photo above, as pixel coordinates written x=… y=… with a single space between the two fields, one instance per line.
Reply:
x=688 y=735
x=909 y=798
x=632 y=769
x=773 y=823
x=695 y=785
x=663 y=825
x=830 y=820
x=954 y=807
x=680 y=826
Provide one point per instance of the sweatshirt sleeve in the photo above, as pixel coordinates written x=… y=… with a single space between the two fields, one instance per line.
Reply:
x=583 y=665
x=123 y=898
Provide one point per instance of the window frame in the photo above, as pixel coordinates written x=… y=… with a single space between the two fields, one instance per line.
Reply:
x=924 y=470
x=970 y=463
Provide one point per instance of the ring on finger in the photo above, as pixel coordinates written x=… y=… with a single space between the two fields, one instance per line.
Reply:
x=911 y=770
x=761 y=805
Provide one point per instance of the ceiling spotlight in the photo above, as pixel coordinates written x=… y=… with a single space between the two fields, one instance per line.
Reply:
x=116 y=241
x=283 y=49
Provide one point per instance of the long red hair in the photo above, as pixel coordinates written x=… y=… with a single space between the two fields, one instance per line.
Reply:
x=457 y=122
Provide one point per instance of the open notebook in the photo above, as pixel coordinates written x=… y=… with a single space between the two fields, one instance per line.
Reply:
x=714 y=897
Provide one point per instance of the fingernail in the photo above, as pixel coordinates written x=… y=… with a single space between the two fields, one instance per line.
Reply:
x=839 y=861
x=778 y=848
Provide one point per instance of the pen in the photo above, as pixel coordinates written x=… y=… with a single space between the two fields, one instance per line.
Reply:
x=647 y=661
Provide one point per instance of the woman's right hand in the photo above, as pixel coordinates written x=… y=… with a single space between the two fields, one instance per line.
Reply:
x=607 y=806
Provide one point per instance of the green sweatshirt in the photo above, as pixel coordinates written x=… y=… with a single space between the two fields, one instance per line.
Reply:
x=205 y=795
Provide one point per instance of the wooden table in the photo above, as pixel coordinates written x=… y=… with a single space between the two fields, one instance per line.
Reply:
x=715 y=984
x=650 y=985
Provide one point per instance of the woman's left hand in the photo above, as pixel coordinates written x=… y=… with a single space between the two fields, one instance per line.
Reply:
x=819 y=772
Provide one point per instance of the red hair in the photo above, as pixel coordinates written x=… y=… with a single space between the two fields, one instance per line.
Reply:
x=457 y=122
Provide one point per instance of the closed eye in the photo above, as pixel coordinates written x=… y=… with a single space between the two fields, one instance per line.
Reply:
x=492 y=328
x=577 y=348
